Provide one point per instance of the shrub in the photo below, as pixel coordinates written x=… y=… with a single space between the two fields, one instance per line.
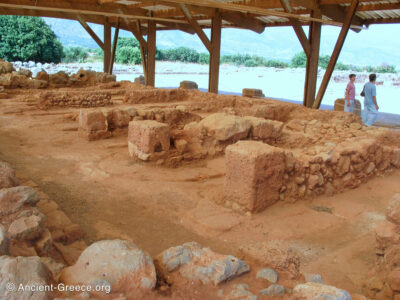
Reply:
x=76 y=54
x=128 y=55
x=299 y=60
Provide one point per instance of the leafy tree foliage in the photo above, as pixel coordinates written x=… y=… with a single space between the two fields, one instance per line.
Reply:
x=299 y=60
x=76 y=54
x=28 y=38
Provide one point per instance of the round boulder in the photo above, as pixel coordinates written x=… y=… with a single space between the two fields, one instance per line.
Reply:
x=117 y=263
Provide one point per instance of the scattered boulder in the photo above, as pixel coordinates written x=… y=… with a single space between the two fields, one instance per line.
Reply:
x=7 y=176
x=273 y=290
x=42 y=75
x=319 y=291
x=119 y=263
x=12 y=199
x=25 y=271
x=25 y=72
x=268 y=274
x=198 y=263
x=6 y=67
x=59 y=79
x=241 y=292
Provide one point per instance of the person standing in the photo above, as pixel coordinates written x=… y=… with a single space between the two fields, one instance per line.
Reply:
x=371 y=107
x=350 y=94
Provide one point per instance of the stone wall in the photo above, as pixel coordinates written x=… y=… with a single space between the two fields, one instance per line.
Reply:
x=344 y=166
x=74 y=99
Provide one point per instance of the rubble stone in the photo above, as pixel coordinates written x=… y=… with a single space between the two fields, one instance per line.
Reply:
x=198 y=263
x=16 y=271
x=12 y=199
x=7 y=176
x=319 y=291
x=393 y=210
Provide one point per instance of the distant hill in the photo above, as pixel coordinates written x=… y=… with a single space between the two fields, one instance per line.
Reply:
x=374 y=46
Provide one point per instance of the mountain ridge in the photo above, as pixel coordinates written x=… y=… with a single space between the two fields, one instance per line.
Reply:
x=374 y=46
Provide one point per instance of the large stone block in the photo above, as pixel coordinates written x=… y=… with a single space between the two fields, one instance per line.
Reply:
x=252 y=93
x=93 y=124
x=254 y=174
x=189 y=85
x=147 y=137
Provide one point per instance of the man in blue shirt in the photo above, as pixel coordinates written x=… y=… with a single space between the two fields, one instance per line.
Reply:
x=371 y=107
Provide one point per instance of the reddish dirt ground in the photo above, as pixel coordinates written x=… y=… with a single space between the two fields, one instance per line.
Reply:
x=110 y=196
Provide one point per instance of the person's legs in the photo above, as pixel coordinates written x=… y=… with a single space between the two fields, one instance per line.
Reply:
x=372 y=115
x=347 y=108
x=351 y=106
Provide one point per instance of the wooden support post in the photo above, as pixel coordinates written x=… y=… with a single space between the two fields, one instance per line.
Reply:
x=336 y=52
x=107 y=46
x=215 y=52
x=151 y=53
x=143 y=50
x=310 y=85
x=114 y=49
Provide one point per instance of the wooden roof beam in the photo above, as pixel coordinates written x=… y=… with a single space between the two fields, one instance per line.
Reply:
x=244 y=21
x=257 y=11
x=338 y=13
x=79 y=9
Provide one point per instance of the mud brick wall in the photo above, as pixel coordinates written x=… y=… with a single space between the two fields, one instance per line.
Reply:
x=74 y=99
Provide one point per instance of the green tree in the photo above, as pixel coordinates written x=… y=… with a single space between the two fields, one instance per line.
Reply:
x=76 y=54
x=128 y=55
x=323 y=61
x=28 y=38
x=299 y=60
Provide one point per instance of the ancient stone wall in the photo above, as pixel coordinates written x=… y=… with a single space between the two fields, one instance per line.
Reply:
x=74 y=99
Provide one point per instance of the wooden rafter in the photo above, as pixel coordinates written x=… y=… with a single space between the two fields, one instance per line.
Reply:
x=243 y=21
x=338 y=12
x=199 y=31
x=89 y=30
x=298 y=29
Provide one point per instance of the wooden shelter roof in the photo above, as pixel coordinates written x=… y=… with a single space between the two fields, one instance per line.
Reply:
x=175 y=14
